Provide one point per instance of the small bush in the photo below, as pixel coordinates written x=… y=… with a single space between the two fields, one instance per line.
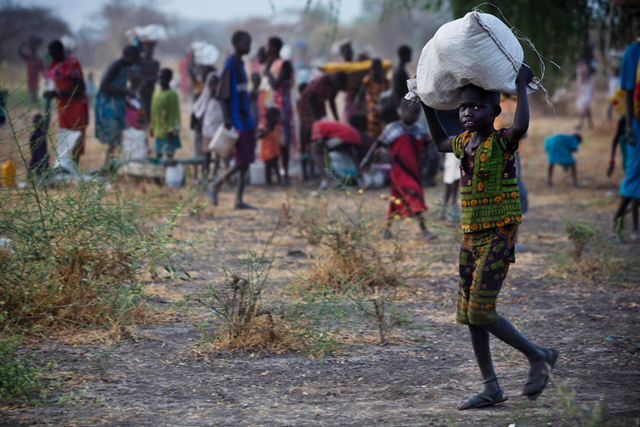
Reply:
x=19 y=377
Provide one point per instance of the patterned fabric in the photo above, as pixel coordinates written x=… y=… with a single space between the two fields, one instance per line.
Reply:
x=373 y=89
x=165 y=113
x=111 y=109
x=405 y=145
x=489 y=186
x=394 y=130
x=485 y=257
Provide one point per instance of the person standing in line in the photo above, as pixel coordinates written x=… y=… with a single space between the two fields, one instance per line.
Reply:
x=70 y=92
x=400 y=75
x=111 y=102
x=28 y=51
x=279 y=73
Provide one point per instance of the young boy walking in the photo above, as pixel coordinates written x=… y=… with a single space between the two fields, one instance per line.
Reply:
x=404 y=140
x=489 y=218
x=233 y=95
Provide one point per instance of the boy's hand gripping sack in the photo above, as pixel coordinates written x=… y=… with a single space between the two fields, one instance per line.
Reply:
x=478 y=49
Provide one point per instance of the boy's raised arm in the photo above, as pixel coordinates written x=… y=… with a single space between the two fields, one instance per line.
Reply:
x=439 y=135
x=521 y=117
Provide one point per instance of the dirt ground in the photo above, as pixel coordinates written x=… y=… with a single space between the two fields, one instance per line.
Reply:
x=157 y=375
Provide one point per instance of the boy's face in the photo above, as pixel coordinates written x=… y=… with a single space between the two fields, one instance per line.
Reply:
x=477 y=108
x=410 y=112
x=243 y=45
x=165 y=79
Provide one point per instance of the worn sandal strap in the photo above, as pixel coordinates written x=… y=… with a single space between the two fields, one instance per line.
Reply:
x=494 y=378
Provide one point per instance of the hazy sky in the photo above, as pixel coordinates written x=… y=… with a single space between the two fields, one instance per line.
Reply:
x=76 y=12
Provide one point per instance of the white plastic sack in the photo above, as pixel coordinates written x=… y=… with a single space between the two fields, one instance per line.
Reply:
x=66 y=140
x=477 y=49
x=205 y=53
x=134 y=144
x=149 y=33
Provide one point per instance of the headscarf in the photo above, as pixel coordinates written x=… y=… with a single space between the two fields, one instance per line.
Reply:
x=200 y=106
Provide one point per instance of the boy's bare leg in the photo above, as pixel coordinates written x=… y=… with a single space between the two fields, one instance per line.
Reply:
x=634 y=214
x=618 y=218
x=240 y=204
x=538 y=357
x=550 y=175
x=215 y=186
x=574 y=175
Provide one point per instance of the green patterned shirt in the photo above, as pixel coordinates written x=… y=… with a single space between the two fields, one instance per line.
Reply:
x=488 y=185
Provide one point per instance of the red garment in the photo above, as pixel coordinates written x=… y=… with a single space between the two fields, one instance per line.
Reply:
x=34 y=68
x=73 y=110
x=324 y=91
x=270 y=145
x=332 y=129
x=406 y=191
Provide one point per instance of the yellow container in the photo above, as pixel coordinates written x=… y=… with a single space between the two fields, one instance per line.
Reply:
x=8 y=175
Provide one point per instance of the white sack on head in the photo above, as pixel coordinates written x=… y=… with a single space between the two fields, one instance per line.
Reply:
x=149 y=33
x=477 y=49
x=69 y=42
x=205 y=53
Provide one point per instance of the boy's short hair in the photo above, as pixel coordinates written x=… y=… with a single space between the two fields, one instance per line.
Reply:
x=167 y=71
x=404 y=50
x=578 y=137
x=302 y=87
x=273 y=114
x=238 y=36
x=358 y=121
x=276 y=42
x=37 y=118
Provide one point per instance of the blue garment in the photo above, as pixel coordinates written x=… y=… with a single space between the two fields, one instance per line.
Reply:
x=167 y=146
x=559 y=148
x=630 y=186
x=111 y=109
x=239 y=94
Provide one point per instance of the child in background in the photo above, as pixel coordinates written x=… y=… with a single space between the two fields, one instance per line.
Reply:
x=165 y=117
x=207 y=111
x=559 y=148
x=451 y=178
x=39 y=163
x=134 y=113
x=490 y=214
x=404 y=139
x=269 y=137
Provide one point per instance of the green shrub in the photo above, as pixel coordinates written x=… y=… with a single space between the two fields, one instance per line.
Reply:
x=19 y=377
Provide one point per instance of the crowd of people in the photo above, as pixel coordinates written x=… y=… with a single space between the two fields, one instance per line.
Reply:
x=279 y=112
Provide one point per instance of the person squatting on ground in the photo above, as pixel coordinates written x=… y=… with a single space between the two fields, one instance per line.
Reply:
x=269 y=137
x=404 y=141
x=165 y=117
x=330 y=135
x=73 y=108
x=111 y=102
x=559 y=150
x=280 y=75
x=630 y=83
x=489 y=219
x=234 y=97
x=311 y=108
x=208 y=114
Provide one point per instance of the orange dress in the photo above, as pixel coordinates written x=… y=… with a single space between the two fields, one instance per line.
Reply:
x=373 y=90
x=270 y=145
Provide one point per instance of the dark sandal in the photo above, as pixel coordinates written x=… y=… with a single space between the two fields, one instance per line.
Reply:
x=542 y=377
x=481 y=400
